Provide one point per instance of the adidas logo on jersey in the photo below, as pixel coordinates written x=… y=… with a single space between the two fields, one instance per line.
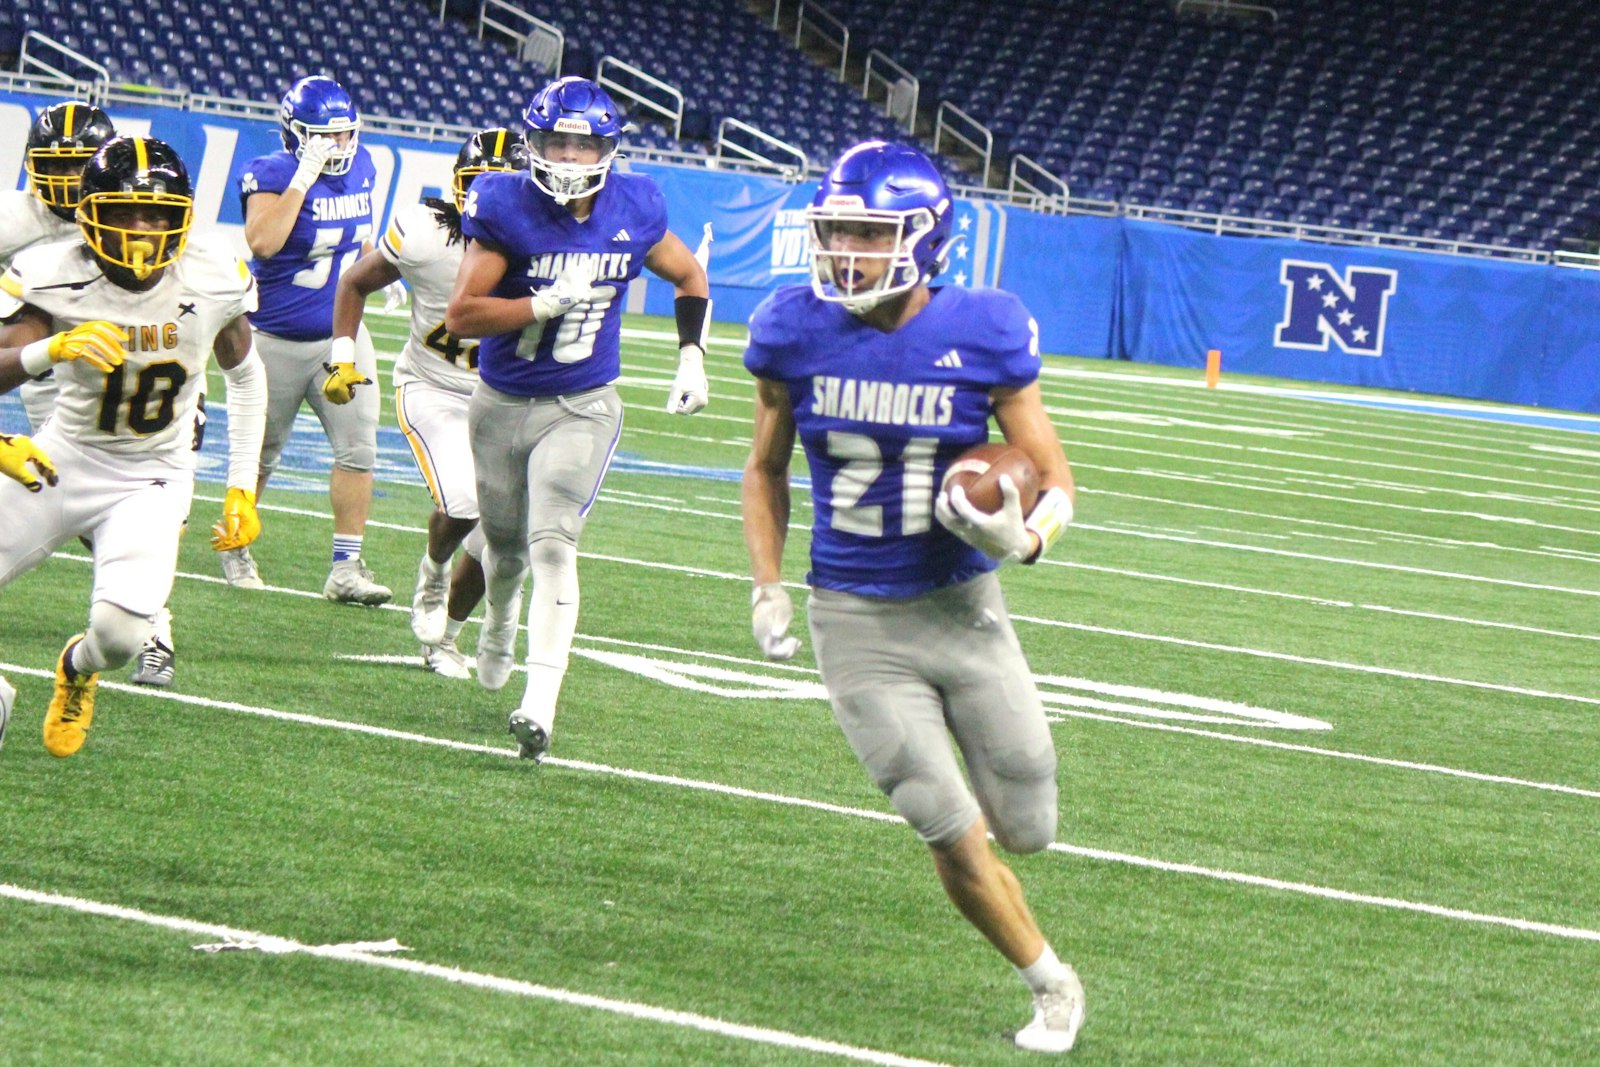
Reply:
x=951 y=358
x=622 y=235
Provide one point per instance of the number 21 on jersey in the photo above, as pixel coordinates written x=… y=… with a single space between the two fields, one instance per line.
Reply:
x=864 y=465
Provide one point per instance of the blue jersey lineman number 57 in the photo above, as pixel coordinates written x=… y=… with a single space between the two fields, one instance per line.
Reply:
x=316 y=273
x=862 y=466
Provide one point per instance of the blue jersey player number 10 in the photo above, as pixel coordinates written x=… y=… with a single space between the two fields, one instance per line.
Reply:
x=550 y=253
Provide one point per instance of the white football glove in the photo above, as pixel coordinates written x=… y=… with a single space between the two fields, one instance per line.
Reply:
x=395 y=295
x=570 y=289
x=771 y=611
x=1003 y=536
x=314 y=153
x=690 y=390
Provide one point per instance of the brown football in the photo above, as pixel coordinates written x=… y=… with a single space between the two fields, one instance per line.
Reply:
x=978 y=471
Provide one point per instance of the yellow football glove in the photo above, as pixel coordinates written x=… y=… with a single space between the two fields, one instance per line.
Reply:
x=17 y=454
x=100 y=344
x=240 y=525
x=342 y=381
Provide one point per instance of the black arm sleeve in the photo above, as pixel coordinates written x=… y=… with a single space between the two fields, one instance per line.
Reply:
x=691 y=312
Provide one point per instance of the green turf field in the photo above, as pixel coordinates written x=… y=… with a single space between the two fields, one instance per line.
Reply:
x=1326 y=702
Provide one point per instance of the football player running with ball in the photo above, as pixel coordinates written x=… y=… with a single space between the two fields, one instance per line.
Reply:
x=885 y=381
x=434 y=378
x=127 y=319
x=307 y=216
x=549 y=256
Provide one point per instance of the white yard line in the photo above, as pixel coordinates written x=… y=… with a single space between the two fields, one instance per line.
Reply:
x=1237 y=877
x=632 y=1009
x=1310 y=661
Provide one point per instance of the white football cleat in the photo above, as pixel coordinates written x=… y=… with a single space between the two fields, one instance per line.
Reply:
x=8 y=700
x=428 y=604
x=351 y=582
x=1057 y=1015
x=446 y=660
x=239 y=569
x=156 y=665
x=496 y=639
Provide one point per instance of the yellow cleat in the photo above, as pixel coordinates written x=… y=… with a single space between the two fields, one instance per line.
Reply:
x=71 y=708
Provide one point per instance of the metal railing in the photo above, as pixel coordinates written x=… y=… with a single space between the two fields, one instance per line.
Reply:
x=1577 y=260
x=673 y=114
x=984 y=150
x=538 y=42
x=899 y=96
x=810 y=18
x=27 y=60
x=1050 y=202
x=1239 y=226
x=790 y=171
x=1228 y=7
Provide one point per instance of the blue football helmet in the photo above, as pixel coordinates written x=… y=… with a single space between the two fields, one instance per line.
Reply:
x=568 y=121
x=882 y=204
x=318 y=106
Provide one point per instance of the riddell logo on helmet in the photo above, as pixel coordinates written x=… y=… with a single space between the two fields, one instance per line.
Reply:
x=572 y=126
x=840 y=200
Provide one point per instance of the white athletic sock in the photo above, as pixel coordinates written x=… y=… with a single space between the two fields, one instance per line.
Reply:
x=452 y=628
x=552 y=620
x=432 y=569
x=1043 y=972
x=163 y=629
x=539 y=698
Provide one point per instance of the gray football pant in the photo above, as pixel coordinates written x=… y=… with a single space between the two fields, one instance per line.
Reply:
x=295 y=373
x=904 y=676
x=539 y=463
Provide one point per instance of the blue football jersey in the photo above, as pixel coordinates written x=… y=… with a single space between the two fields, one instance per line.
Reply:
x=881 y=416
x=581 y=349
x=297 y=283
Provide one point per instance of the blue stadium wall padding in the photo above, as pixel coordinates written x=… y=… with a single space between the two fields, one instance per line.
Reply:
x=1065 y=271
x=1398 y=320
x=1111 y=288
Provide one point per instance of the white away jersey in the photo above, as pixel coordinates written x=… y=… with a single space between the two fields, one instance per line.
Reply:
x=416 y=243
x=25 y=221
x=146 y=406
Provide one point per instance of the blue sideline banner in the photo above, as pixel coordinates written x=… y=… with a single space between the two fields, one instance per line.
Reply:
x=1396 y=320
x=1569 y=370
x=1065 y=271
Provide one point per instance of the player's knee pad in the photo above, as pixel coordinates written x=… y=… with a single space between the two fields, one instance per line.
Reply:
x=473 y=544
x=503 y=565
x=1022 y=811
x=940 y=813
x=553 y=556
x=115 y=635
x=359 y=457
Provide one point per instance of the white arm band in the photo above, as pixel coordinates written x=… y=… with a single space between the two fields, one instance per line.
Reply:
x=35 y=357
x=1049 y=517
x=247 y=420
x=343 y=350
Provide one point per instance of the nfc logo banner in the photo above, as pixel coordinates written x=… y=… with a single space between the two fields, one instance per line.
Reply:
x=1351 y=310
